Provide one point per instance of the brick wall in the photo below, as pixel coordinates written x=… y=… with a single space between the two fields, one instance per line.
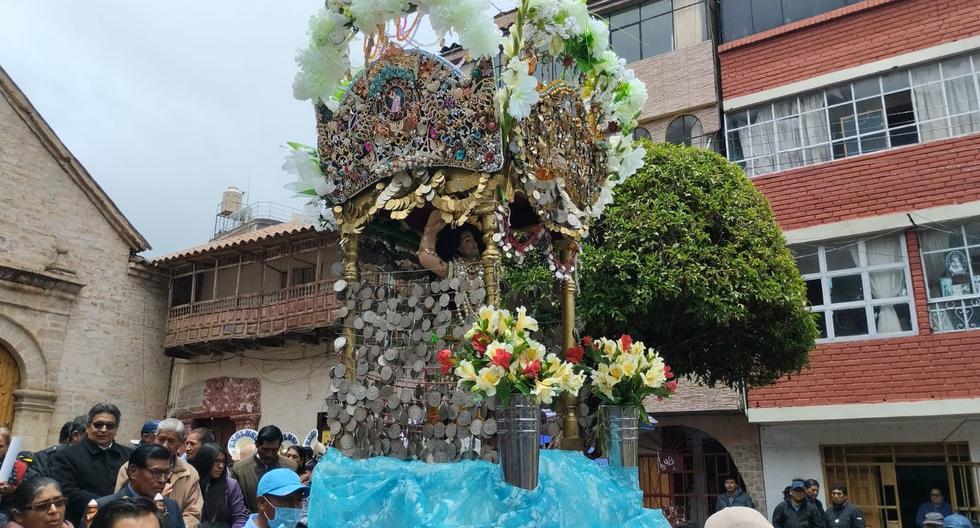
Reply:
x=926 y=366
x=848 y=37
x=904 y=179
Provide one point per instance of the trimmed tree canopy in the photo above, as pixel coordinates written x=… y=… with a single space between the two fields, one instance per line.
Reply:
x=689 y=258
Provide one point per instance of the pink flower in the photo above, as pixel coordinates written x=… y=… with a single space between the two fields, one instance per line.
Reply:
x=501 y=358
x=667 y=372
x=587 y=342
x=533 y=369
x=574 y=354
x=671 y=386
x=625 y=342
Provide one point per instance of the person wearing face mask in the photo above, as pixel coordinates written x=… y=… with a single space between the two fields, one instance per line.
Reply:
x=280 y=499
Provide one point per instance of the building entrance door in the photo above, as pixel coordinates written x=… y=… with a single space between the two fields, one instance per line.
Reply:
x=9 y=382
x=889 y=481
x=914 y=483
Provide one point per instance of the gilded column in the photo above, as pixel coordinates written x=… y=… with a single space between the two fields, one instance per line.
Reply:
x=571 y=439
x=491 y=255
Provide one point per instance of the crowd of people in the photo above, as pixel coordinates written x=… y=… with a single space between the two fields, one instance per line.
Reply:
x=172 y=478
x=801 y=508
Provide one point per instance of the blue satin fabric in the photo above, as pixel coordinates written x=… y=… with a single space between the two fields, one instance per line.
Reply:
x=572 y=491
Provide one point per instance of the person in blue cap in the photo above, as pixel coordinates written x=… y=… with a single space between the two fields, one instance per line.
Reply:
x=796 y=511
x=148 y=434
x=279 y=500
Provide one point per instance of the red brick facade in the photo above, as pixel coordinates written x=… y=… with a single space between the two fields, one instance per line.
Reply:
x=913 y=368
x=847 y=37
x=890 y=181
x=925 y=366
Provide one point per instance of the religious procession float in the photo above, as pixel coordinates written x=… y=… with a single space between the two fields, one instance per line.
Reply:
x=438 y=169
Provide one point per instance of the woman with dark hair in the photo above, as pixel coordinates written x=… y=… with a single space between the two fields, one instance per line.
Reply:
x=297 y=454
x=38 y=503
x=224 y=505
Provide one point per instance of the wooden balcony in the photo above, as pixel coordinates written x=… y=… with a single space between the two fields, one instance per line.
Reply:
x=305 y=311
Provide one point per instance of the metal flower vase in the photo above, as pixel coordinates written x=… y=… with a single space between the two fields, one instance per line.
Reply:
x=621 y=434
x=518 y=434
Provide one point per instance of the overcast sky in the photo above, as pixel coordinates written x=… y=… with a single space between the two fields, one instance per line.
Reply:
x=167 y=103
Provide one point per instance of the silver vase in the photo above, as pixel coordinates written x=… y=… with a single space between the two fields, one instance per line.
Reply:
x=621 y=434
x=518 y=436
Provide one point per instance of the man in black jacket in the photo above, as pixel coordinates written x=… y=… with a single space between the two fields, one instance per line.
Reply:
x=733 y=496
x=797 y=511
x=842 y=514
x=812 y=492
x=88 y=470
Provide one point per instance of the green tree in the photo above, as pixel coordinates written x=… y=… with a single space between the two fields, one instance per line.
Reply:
x=688 y=258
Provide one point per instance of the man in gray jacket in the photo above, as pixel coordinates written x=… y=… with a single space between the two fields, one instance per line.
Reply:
x=733 y=496
x=841 y=513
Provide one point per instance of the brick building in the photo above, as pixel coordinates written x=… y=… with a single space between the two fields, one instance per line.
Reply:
x=79 y=309
x=859 y=121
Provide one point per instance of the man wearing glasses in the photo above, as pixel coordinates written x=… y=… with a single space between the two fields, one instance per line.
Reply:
x=936 y=504
x=88 y=469
x=149 y=470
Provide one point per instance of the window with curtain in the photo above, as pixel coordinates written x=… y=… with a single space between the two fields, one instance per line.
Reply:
x=904 y=107
x=858 y=287
x=655 y=27
x=951 y=262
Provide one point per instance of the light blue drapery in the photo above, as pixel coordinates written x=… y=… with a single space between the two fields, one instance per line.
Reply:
x=572 y=491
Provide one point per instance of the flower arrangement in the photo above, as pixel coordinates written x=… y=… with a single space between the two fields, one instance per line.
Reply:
x=499 y=358
x=622 y=371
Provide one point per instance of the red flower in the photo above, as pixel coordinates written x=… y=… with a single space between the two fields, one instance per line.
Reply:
x=479 y=342
x=625 y=342
x=445 y=357
x=574 y=354
x=671 y=386
x=501 y=358
x=587 y=342
x=445 y=360
x=533 y=369
x=667 y=372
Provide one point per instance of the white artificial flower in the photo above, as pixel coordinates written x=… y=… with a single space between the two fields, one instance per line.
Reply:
x=600 y=35
x=369 y=15
x=481 y=38
x=328 y=28
x=521 y=87
x=321 y=70
x=632 y=161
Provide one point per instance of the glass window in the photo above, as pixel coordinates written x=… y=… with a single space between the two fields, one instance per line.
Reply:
x=858 y=287
x=640 y=132
x=736 y=19
x=740 y=18
x=951 y=264
x=658 y=36
x=766 y=14
x=626 y=42
x=655 y=8
x=684 y=130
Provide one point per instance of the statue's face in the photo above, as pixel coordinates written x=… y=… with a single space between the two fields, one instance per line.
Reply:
x=468 y=246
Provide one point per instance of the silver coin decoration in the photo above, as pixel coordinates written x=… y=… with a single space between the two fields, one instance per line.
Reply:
x=398 y=403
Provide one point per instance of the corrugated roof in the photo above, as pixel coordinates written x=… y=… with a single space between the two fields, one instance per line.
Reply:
x=242 y=239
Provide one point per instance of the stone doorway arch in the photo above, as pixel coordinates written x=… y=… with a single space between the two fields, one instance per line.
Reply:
x=683 y=469
x=33 y=399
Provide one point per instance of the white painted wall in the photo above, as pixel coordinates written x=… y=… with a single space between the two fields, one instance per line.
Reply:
x=793 y=451
x=294 y=381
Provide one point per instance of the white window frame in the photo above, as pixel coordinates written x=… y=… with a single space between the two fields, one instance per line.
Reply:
x=954 y=302
x=869 y=304
x=749 y=162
